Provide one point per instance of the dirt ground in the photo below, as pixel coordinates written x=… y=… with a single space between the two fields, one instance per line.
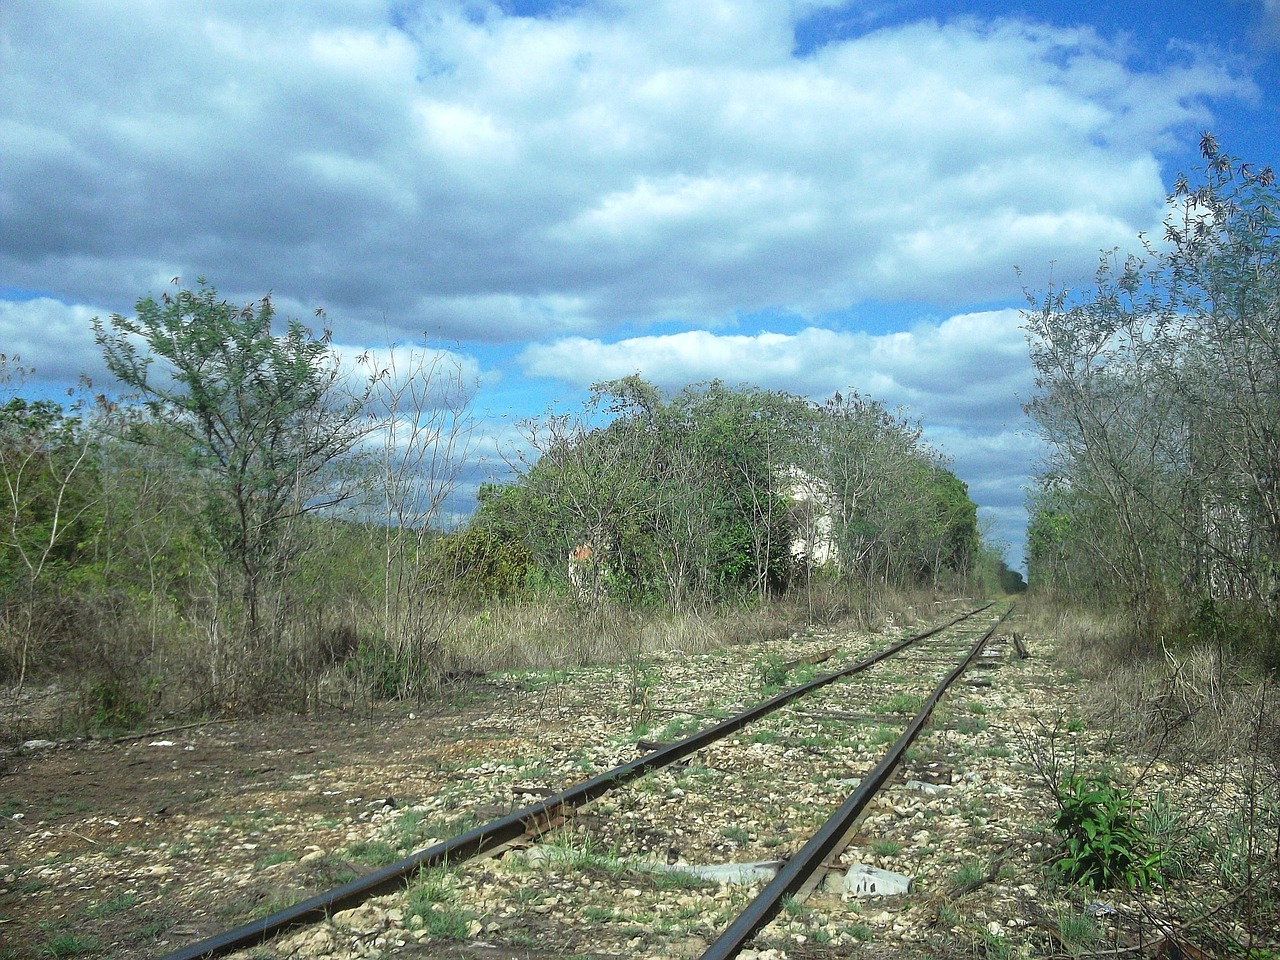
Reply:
x=224 y=796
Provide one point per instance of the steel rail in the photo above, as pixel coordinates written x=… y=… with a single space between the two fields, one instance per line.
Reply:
x=504 y=830
x=811 y=856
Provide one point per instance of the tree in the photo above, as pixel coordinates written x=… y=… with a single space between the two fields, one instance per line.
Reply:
x=1159 y=399
x=48 y=497
x=261 y=417
x=704 y=495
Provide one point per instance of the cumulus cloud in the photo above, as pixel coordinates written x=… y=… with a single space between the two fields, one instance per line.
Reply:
x=492 y=175
x=618 y=183
x=52 y=339
x=966 y=371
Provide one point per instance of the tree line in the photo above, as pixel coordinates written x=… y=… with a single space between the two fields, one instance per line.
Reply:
x=1159 y=401
x=718 y=493
x=253 y=514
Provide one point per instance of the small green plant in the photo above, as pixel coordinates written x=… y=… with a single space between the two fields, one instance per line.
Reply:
x=1078 y=931
x=773 y=673
x=886 y=848
x=903 y=703
x=273 y=857
x=1102 y=844
x=69 y=945
x=968 y=874
x=375 y=853
x=108 y=908
x=117 y=706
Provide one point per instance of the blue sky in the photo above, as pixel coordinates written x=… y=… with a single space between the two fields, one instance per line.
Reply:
x=804 y=195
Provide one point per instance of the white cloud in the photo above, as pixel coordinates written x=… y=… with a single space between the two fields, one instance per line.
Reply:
x=607 y=164
x=52 y=339
x=966 y=371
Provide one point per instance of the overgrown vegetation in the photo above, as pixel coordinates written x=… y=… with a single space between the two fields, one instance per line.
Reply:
x=259 y=524
x=1103 y=843
x=1154 y=555
x=1158 y=398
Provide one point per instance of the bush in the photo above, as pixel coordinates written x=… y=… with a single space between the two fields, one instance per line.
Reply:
x=1103 y=844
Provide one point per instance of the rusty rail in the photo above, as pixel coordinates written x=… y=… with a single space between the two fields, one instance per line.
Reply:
x=811 y=856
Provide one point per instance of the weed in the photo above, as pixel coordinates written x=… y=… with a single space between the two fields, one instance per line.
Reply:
x=272 y=904
x=886 y=848
x=69 y=945
x=903 y=703
x=1077 y=930
x=108 y=908
x=883 y=735
x=793 y=907
x=447 y=923
x=967 y=874
x=996 y=947
x=431 y=899
x=375 y=853
x=773 y=673
x=1103 y=843
x=675 y=880
x=272 y=857
x=331 y=871
x=736 y=833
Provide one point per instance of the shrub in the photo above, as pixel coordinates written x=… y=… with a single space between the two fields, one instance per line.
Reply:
x=1103 y=844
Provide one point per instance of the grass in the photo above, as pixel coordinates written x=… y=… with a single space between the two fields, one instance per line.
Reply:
x=675 y=880
x=272 y=857
x=886 y=848
x=432 y=899
x=330 y=871
x=65 y=944
x=1078 y=931
x=967 y=873
x=903 y=703
x=374 y=853
x=109 y=908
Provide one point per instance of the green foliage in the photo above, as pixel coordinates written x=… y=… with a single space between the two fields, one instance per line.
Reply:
x=773 y=673
x=699 y=497
x=257 y=416
x=481 y=562
x=50 y=490
x=118 y=705
x=1103 y=843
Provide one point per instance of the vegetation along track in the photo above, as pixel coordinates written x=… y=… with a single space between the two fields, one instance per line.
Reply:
x=798 y=759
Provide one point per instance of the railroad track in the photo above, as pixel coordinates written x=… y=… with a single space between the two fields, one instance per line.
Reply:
x=832 y=742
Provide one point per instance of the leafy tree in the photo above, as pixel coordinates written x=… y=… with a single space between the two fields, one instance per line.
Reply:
x=260 y=416
x=692 y=498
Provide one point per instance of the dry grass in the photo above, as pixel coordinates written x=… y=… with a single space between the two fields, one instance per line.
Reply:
x=1203 y=732
x=558 y=632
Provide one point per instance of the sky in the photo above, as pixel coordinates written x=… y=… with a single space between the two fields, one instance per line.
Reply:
x=801 y=195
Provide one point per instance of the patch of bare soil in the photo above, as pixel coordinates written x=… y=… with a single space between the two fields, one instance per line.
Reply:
x=117 y=848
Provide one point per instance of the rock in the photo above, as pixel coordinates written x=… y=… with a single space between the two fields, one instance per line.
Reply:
x=363 y=919
x=32 y=746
